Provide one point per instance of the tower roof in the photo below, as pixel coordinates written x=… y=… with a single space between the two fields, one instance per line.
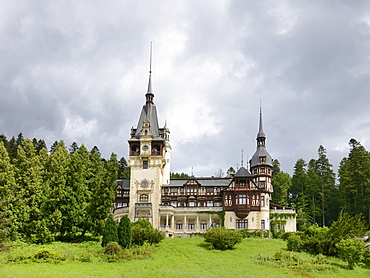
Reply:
x=261 y=133
x=149 y=111
x=242 y=172
x=261 y=151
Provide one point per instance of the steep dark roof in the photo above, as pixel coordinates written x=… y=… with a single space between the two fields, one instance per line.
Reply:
x=242 y=172
x=125 y=184
x=261 y=152
x=149 y=112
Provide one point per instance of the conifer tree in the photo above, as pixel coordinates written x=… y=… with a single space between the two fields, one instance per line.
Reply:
x=7 y=184
x=109 y=231
x=30 y=194
x=124 y=232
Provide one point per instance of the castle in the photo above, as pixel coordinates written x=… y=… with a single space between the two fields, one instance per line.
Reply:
x=180 y=207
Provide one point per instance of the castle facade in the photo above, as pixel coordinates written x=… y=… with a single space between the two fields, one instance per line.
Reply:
x=180 y=207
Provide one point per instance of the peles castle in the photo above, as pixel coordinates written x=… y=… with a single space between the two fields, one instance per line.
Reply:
x=180 y=207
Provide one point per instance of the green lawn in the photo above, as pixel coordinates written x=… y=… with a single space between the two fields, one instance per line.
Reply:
x=175 y=257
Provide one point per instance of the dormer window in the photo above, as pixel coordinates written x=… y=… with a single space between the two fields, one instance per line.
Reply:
x=263 y=160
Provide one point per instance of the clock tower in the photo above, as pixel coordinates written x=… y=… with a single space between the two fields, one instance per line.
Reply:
x=149 y=158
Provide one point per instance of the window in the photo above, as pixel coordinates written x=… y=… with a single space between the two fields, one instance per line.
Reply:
x=263 y=224
x=174 y=203
x=126 y=192
x=145 y=164
x=218 y=204
x=255 y=171
x=210 y=203
x=191 y=226
x=262 y=184
x=242 y=199
x=262 y=201
x=173 y=189
x=179 y=226
x=262 y=170
x=228 y=201
x=144 y=198
x=203 y=226
x=241 y=224
x=209 y=189
x=242 y=183
x=191 y=204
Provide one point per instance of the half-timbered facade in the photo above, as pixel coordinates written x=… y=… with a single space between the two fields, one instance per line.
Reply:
x=180 y=207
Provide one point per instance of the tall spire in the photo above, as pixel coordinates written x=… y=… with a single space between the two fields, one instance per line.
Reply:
x=149 y=95
x=261 y=137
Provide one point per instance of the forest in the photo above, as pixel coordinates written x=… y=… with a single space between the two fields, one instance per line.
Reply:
x=61 y=193
x=65 y=192
x=318 y=194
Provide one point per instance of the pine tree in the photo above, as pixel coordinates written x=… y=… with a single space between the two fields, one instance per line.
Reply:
x=354 y=181
x=7 y=184
x=281 y=183
x=57 y=205
x=29 y=193
x=124 y=232
x=109 y=231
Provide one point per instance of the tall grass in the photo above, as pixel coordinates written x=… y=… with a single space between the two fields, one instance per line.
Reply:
x=174 y=257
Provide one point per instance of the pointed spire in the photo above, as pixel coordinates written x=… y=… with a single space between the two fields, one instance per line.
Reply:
x=149 y=95
x=260 y=131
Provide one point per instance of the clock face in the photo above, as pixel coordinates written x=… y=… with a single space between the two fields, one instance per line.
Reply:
x=145 y=148
x=144 y=184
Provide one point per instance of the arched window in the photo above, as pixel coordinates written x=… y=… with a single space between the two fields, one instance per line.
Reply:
x=144 y=198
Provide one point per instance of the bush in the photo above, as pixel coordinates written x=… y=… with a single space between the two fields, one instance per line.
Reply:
x=109 y=231
x=112 y=248
x=143 y=231
x=46 y=254
x=124 y=232
x=295 y=243
x=221 y=238
x=351 y=250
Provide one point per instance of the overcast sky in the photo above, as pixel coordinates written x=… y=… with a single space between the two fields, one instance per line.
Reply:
x=78 y=71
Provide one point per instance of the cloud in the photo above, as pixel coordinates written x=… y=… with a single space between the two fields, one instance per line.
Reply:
x=78 y=71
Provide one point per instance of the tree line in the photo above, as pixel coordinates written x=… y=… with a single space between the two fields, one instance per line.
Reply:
x=318 y=195
x=58 y=193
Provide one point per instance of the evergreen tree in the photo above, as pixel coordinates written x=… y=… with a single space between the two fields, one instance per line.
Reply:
x=281 y=183
x=354 y=181
x=124 y=232
x=102 y=185
x=12 y=149
x=275 y=167
x=109 y=231
x=78 y=194
x=298 y=192
x=123 y=169
x=7 y=184
x=30 y=194
x=73 y=148
x=57 y=204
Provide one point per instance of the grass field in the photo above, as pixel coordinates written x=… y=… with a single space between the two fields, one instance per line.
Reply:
x=175 y=257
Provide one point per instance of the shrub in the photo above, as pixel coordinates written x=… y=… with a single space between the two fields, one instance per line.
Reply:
x=109 y=231
x=112 y=248
x=221 y=238
x=143 y=231
x=295 y=243
x=46 y=254
x=124 y=232
x=352 y=251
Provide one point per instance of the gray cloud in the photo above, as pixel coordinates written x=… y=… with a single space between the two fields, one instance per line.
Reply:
x=78 y=71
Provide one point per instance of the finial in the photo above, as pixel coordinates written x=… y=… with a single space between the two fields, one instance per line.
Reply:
x=149 y=95
x=242 y=159
x=151 y=50
x=192 y=171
